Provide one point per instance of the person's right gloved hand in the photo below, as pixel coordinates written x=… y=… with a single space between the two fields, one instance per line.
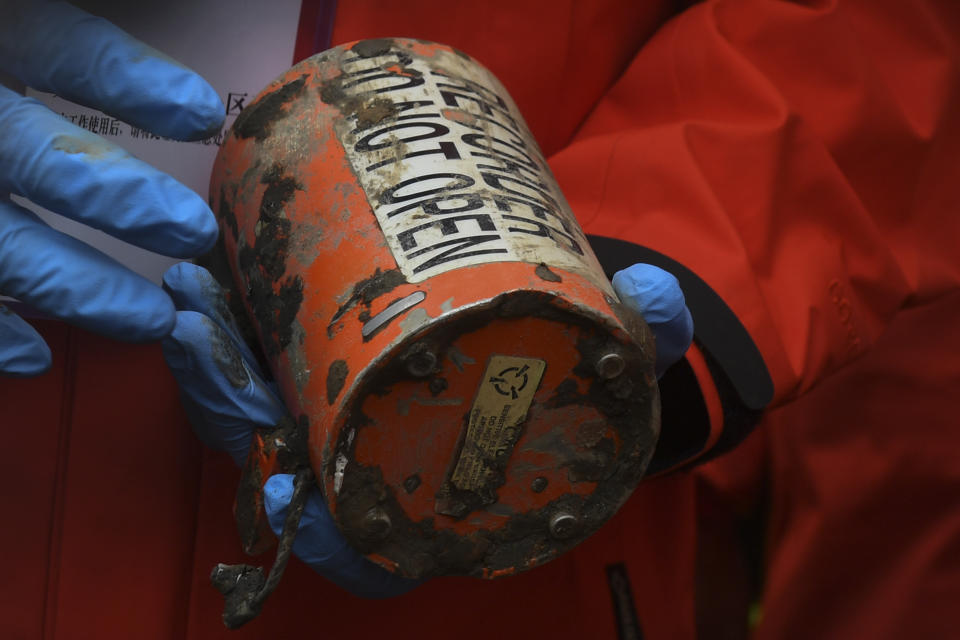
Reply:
x=57 y=48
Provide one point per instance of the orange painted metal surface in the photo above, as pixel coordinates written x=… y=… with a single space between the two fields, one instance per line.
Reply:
x=473 y=398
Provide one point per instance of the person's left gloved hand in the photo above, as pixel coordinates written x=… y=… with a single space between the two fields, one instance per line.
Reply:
x=226 y=398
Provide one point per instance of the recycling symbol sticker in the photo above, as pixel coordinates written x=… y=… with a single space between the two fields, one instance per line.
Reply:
x=511 y=381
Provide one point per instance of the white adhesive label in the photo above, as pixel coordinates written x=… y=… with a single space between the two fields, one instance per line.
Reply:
x=450 y=169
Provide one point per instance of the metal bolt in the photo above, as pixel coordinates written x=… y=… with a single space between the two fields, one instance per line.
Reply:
x=610 y=366
x=563 y=525
x=539 y=484
x=376 y=524
x=421 y=363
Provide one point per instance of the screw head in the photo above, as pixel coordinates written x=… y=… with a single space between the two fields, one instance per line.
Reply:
x=610 y=366
x=376 y=524
x=563 y=525
x=421 y=363
x=539 y=484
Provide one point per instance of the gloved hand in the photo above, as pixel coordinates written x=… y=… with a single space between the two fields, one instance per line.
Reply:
x=58 y=48
x=226 y=399
x=657 y=296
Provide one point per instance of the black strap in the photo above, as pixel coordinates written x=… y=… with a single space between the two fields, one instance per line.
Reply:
x=739 y=372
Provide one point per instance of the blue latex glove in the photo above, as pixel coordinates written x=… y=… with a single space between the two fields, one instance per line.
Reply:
x=226 y=398
x=58 y=48
x=656 y=294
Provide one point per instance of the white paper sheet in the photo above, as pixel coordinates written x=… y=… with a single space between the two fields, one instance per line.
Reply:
x=238 y=46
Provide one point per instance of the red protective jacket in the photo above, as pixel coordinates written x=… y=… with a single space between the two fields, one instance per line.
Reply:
x=796 y=163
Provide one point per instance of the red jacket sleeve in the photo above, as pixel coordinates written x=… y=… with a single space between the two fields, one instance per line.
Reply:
x=799 y=158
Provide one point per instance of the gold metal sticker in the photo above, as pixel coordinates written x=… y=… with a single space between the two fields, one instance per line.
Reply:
x=496 y=419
